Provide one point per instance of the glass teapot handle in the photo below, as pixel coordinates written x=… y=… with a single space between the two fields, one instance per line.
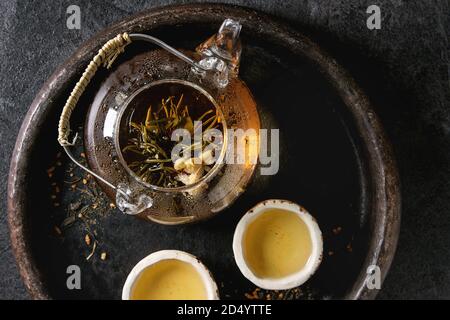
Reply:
x=220 y=57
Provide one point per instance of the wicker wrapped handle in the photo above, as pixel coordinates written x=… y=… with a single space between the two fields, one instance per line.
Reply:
x=105 y=56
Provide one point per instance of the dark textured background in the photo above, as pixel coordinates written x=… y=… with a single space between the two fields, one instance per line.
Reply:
x=404 y=68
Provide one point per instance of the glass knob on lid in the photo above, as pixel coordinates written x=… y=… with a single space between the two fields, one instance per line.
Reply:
x=221 y=53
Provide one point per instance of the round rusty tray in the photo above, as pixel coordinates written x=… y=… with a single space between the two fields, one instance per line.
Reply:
x=335 y=161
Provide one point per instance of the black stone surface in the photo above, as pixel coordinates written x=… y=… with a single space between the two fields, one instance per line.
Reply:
x=404 y=68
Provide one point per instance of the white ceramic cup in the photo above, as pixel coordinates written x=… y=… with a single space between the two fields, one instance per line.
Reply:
x=208 y=281
x=293 y=280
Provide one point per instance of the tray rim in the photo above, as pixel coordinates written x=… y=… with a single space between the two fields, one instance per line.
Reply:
x=384 y=224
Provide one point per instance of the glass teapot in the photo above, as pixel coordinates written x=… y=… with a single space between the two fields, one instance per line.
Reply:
x=175 y=89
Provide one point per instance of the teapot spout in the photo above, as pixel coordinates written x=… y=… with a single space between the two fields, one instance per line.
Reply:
x=221 y=53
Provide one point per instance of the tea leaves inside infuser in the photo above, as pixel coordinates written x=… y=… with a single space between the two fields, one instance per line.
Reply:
x=147 y=137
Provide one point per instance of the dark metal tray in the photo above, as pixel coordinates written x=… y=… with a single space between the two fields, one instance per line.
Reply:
x=335 y=161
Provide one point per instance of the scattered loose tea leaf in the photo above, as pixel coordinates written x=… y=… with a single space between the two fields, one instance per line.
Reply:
x=75 y=205
x=93 y=251
x=57 y=230
x=291 y=294
x=68 y=221
x=87 y=239
x=75 y=208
